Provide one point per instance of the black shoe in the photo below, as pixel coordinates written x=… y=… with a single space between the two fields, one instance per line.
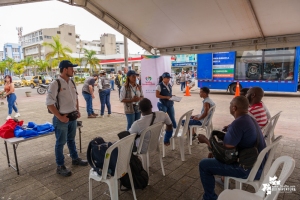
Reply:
x=79 y=162
x=62 y=170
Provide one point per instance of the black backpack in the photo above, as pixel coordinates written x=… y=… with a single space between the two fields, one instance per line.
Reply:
x=96 y=153
x=139 y=175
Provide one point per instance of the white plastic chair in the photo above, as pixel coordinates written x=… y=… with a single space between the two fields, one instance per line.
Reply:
x=268 y=129
x=207 y=124
x=180 y=134
x=287 y=169
x=250 y=180
x=153 y=132
x=124 y=153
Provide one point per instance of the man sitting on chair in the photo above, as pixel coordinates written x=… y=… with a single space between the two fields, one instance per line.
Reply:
x=207 y=104
x=145 y=121
x=257 y=108
x=242 y=133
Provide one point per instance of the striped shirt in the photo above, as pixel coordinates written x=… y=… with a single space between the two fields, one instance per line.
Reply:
x=259 y=113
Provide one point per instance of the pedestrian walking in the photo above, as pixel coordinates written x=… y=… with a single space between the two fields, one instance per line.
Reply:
x=182 y=79
x=9 y=93
x=112 y=81
x=65 y=107
x=104 y=93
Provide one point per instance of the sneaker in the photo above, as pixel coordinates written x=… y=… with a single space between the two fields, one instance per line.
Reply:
x=91 y=116
x=79 y=162
x=62 y=170
x=17 y=115
x=108 y=115
x=95 y=114
x=8 y=117
x=101 y=116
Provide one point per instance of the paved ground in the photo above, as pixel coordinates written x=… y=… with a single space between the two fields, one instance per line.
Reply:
x=38 y=179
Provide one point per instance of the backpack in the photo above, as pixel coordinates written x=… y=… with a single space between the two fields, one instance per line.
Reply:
x=58 y=90
x=96 y=153
x=139 y=175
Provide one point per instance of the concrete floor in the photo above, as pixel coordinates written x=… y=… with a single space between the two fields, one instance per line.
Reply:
x=38 y=178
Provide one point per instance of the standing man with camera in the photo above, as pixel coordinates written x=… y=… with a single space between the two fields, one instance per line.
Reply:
x=62 y=101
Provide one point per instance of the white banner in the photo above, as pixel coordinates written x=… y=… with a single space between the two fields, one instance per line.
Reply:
x=151 y=68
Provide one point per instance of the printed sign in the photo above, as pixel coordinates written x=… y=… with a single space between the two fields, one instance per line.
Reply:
x=223 y=64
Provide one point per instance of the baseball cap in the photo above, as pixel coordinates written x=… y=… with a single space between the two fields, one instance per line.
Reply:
x=166 y=75
x=66 y=64
x=131 y=72
x=102 y=72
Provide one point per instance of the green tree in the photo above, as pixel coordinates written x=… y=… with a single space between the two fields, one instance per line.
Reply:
x=29 y=62
x=91 y=59
x=19 y=68
x=53 y=63
x=43 y=65
x=57 y=49
x=2 y=67
x=9 y=64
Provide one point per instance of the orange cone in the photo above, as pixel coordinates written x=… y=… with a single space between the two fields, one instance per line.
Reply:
x=237 y=89
x=187 y=90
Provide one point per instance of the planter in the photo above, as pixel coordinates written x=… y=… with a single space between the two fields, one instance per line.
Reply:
x=28 y=94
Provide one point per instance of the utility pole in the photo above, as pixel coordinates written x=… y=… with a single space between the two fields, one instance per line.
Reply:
x=126 y=51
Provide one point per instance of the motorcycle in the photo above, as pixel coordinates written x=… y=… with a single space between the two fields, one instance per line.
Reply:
x=42 y=89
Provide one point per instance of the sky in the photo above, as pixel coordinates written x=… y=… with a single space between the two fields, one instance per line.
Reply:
x=51 y=14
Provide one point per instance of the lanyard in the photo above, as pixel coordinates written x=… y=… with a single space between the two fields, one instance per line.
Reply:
x=133 y=90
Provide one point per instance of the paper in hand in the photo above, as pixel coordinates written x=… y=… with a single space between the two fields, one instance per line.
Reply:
x=175 y=98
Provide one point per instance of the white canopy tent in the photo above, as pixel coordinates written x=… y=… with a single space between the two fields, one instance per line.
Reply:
x=194 y=26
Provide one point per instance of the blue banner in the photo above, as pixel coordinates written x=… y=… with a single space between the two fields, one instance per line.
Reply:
x=184 y=64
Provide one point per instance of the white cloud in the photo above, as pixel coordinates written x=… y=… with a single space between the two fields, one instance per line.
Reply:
x=34 y=16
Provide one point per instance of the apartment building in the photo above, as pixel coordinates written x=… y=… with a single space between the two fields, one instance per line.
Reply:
x=32 y=42
x=1 y=55
x=12 y=50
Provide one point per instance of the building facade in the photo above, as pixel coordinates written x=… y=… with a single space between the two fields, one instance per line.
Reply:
x=12 y=50
x=32 y=42
x=1 y=55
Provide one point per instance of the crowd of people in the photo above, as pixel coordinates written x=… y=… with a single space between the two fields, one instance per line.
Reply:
x=249 y=112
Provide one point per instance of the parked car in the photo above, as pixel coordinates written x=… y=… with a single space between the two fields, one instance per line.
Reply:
x=39 y=80
x=27 y=80
x=17 y=81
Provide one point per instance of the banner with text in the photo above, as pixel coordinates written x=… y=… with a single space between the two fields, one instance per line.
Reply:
x=151 y=68
x=223 y=64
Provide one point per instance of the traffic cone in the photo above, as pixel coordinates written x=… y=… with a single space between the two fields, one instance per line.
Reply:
x=187 y=90
x=237 y=90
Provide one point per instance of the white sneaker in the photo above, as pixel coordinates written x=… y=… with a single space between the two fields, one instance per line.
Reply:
x=108 y=115
x=101 y=116
x=17 y=115
x=8 y=117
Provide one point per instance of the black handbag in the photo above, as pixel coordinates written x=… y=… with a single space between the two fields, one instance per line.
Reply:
x=221 y=153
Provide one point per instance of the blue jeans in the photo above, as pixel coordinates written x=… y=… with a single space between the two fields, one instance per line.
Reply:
x=170 y=111
x=89 y=103
x=112 y=84
x=132 y=118
x=182 y=85
x=192 y=122
x=11 y=100
x=209 y=167
x=64 y=133
x=105 y=100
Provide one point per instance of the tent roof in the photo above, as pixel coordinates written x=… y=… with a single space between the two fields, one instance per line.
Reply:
x=193 y=26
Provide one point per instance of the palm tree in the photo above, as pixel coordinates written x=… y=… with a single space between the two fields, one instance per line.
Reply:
x=57 y=49
x=2 y=67
x=91 y=59
x=29 y=62
x=53 y=63
x=19 y=68
x=43 y=65
x=9 y=64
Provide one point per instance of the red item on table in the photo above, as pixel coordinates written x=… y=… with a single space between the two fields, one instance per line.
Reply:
x=7 y=129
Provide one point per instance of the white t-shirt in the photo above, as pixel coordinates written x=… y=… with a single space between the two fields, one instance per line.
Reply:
x=144 y=122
